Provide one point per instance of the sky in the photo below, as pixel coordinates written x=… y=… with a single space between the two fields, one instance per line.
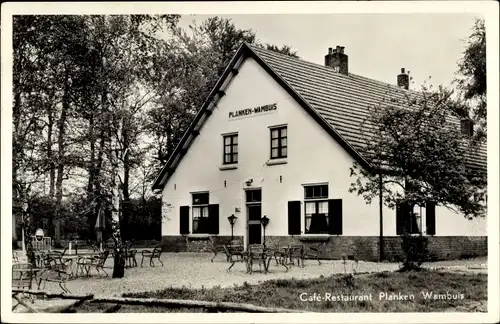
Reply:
x=378 y=45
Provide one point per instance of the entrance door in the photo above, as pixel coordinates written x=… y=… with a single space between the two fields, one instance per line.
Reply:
x=254 y=225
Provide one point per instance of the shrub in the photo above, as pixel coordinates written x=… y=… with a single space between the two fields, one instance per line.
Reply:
x=415 y=251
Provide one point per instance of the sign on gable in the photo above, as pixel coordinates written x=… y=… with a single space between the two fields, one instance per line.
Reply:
x=253 y=111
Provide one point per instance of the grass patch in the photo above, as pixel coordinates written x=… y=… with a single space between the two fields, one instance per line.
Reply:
x=456 y=291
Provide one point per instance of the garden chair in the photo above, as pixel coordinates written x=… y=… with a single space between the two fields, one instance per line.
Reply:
x=279 y=254
x=296 y=252
x=315 y=252
x=58 y=256
x=257 y=254
x=55 y=271
x=14 y=257
x=22 y=277
x=129 y=255
x=151 y=255
x=97 y=262
x=234 y=255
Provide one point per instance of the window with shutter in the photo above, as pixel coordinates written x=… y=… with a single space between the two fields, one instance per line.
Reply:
x=184 y=220
x=294 y=218
x=201 y=221
x=213 y=219
x=430 y=217
x=335 y=216
x=316 y=209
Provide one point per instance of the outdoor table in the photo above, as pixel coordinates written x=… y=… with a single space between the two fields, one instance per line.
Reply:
x=281 y=256
x=73 y=263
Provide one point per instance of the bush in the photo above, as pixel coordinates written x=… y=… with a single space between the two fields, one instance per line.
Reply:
x=415 y=251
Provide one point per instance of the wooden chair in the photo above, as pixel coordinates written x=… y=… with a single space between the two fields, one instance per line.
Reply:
x=14 y=257
x=151 y=255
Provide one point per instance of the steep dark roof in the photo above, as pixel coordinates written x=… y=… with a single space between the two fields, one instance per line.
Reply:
x=337 y=102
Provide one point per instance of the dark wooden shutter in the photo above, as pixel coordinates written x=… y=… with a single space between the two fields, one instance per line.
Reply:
x=294 y=217
x=430 y=217
x=402 y=218
x=213 y=219
x=335 y=216
x=184 y=220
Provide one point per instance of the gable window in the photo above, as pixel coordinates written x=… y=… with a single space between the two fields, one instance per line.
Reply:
x=316 y=209
x=279 y=142
x=200 y=213
x=230 y=149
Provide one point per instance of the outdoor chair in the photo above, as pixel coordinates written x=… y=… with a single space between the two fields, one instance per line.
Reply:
x=97 y=262
x=55 y=271
x=14 y=257
x=296 y=252
x=58 y=256
x=234 y=255
x=257 y=254
x=129 y=255
x=22 y=276
x=151 y=255
x=314 y=252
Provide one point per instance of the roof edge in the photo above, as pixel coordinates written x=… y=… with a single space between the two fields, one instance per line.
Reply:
x=246 y=49
x=158 y=183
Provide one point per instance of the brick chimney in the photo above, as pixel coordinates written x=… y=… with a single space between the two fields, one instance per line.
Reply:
x=404 y=80
x=337 y=60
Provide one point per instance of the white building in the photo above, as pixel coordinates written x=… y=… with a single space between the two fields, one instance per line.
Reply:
x=276 y=137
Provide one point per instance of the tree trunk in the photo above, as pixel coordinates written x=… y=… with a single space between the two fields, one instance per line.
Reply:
x=60 y=162
x=91 y=167
x=50 y=157
x=119 y=261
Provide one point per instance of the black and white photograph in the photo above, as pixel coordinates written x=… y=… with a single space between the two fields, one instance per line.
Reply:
x=329 y=158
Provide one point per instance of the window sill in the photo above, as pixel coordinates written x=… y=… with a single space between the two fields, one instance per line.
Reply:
x=315 y=238
x=277 y=161
x=228 y=167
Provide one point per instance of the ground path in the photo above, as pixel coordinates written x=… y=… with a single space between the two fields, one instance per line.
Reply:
x=194 y=270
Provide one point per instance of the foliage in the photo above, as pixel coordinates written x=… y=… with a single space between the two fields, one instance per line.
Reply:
x=285 y=49
x=419 y=159
x=471 y=79
x=76 y=79
x=415 y=251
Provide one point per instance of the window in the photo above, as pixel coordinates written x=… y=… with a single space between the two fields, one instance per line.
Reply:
x=254 y=195
x=231 y=149
x=416 y=219
x=278 y=142
x=200 y=213
x=316 y=209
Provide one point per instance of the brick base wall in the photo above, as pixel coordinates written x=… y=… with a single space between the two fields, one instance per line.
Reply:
x=194 y=244
x=362 y=247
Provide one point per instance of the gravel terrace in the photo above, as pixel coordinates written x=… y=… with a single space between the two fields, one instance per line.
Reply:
x=194 y=270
